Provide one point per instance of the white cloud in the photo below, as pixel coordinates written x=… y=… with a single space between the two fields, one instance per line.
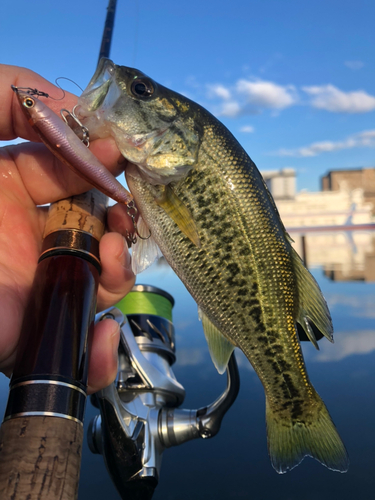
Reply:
x=252 y=96
x=247 y=129
x=218 y=90
x=354 y=65
x=249 y=97
x=231 y=109
x=333 y=99
x=365 y=139
x=263 y=94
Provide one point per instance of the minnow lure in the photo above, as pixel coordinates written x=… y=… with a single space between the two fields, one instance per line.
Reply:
x=67 y=147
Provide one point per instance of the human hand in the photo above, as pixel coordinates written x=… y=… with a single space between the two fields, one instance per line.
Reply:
x=31 y=176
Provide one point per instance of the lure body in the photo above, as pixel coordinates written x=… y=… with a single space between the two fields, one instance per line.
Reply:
x=68 y=148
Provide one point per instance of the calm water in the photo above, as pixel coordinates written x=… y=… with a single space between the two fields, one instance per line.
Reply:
x=235 y=464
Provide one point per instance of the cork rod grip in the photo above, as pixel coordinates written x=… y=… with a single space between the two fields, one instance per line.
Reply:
x=40 y=458
x=42 y=433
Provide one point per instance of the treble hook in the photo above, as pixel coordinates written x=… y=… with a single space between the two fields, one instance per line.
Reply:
x=85 y=131
x=131 y=206
x=130 y=238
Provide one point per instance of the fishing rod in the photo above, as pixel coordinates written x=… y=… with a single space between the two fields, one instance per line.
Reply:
x=105 y=47
x=42 y=433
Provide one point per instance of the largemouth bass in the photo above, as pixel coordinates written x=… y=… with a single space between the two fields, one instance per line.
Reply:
x=217 y=225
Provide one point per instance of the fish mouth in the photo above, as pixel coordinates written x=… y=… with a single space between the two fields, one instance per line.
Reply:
x=98 y=99
x=95 y=93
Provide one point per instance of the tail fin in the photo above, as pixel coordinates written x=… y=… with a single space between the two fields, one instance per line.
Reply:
x=289 y=443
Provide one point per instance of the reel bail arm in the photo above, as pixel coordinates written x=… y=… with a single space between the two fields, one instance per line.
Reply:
x=139 y=415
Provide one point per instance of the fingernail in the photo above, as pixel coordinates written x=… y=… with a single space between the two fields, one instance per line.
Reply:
x=115 y=329
x=115 y=337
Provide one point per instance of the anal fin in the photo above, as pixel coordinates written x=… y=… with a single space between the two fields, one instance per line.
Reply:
x=220 y=348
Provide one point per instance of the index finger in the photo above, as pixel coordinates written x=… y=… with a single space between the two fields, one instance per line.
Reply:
x=13 y=123
x=44 y=177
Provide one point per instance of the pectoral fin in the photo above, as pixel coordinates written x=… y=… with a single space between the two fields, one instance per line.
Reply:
x=220 y=348
x=179 y=213
x=145 y=250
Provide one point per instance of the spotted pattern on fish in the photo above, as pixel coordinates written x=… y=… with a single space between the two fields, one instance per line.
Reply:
x=255 y=273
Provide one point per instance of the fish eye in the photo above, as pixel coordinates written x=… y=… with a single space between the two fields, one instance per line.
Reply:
x=28 y=102
x=142 y=88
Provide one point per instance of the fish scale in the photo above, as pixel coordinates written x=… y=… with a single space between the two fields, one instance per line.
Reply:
x=217 y=225
x=262 y=262
x=235 y=221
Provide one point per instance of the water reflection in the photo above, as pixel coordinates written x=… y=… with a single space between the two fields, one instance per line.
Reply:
x=343 y=255
x=235 y=464
x=349 y=343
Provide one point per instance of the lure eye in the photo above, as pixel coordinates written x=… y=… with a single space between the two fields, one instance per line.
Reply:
x=142 y=88
x=28 y=102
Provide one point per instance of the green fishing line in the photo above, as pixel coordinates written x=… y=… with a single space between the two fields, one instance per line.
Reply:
x=142 y=302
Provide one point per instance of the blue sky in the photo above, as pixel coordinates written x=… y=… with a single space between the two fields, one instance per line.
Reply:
x=293 y=80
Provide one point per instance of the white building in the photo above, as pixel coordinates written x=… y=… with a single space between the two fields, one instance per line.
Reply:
x=281 y=183
x=321 y=208
x=317 y=222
